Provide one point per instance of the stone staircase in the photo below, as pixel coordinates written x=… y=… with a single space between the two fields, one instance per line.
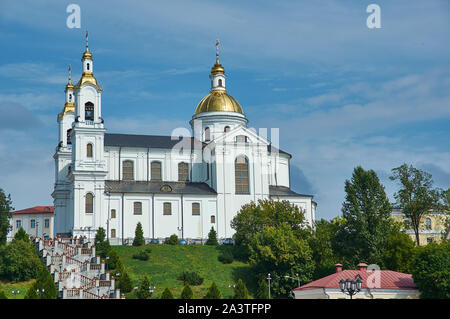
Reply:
x=77 y=271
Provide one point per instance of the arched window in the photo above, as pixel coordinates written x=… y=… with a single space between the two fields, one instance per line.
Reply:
x=69 y=141
x=89 y=111
x=113 y=213
x=167 y=209
x=156 y=171
x=183 y=172
x=89 y=150
x=213 y=219
x=428 y=223
x=128 y=170
x=87 y=66
x=207 y=134
x=137 y=208
x=195 y=209
x=89 y=204
x=226 y=129
x=220 y=82
x=241 y=175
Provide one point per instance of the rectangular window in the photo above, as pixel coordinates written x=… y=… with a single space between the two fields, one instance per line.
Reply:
x=47 y=223
x=128 y=170
x=113 y=233
x=156 y=171
x=195 y=209
x=18 y=224
x=137 y=208
x=183 y=172
x=167 y=209
x=213 y=219
x=33 y=223
x=113 y=213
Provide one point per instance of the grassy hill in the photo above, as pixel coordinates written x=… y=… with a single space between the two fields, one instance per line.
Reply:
x=21 y=286
x=167 y=262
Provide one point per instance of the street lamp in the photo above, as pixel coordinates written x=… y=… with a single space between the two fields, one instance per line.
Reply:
x=151 y=290
x=296 y=278
x=350 y=287
x=268 y=279
x=231 y=287
x=15 y=293
x=40 y=291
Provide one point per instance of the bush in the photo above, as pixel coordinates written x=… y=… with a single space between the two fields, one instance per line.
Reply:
x=125 y=283
x=173 y=240
x=138 y=236
x=113 y=259
x=142 y=255
x=191 y=278
x=19 y=261
x=213 y=292
x=187 y=292
x=241 y=292
x=226 y=257
x=143 y=290
x=166 y=294
x=3 y=295
x=212 y=238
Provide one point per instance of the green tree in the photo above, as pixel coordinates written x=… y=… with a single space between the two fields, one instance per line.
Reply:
x=399 y=252
x=113 y=260
x=187 y=292
x=416 y=195
x=431 y=270
x=31 y=293
x=45 y=284
x=138 y=235
x=240 y=291
x=213 y=292
x=445 y=208
x=263 y=289
x=167 y=294
x=125 y=283
x=278 y=251
x=19 y=261
x=3 y=295
x=367 y=214
x=321 y=244
x=5 y=215
x=212 y=238
x=143 y=290
x=253 y=217
x=21 y=235
x=102 y=246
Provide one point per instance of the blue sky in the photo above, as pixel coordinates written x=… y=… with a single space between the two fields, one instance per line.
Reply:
x=342 y=94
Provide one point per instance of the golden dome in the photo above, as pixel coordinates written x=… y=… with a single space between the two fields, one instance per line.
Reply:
x=87 y=77
x=69 y=86
x=69 y=107
x=218 y=101
x=87 y=54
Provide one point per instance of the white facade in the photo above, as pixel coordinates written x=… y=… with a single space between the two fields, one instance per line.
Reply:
x=115 y=181
x=36 y=221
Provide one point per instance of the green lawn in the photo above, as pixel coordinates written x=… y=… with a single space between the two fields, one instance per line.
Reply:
x=22 y=286
x=166 y=263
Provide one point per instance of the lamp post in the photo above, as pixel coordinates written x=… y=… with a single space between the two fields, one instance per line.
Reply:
x=151 y=290
x=296 y=278
x=268 y=279
x=350 y=287
x=16 y=292
x=231 y=287
x=40 y=291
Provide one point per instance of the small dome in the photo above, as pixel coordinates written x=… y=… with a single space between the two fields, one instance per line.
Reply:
x=218 y=101
x=87 y=54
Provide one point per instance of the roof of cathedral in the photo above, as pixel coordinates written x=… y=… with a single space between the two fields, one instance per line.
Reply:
x=218 y=101
x=159 y=187
x=283 y=191
x=153 y=141
x=36 y=210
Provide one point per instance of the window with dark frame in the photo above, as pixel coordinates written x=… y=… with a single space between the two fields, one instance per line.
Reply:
x=155 y=170
x=127 y=170
x=137 y=208
x=113 y=213
x=241 y=175
x=113 y=233
x=183 y=172
x=167 y=209
x=195 y=209
x=213 y=219
x=207 y=134
x=89 y=111
x=89 y=150
x=89 y=205
x=32 y=223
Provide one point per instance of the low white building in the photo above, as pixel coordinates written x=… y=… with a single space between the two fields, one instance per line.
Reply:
x=170 y=184
x=36 y=221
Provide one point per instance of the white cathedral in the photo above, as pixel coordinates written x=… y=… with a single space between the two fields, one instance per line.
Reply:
x=170 y=184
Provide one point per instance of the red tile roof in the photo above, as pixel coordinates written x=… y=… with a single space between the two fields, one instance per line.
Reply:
x=388 y=280
x=36 y=210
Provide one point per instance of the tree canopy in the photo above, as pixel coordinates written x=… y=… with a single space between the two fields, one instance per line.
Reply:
x=5 y=215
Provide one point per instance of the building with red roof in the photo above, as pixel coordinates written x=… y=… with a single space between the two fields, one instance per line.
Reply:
x=36 y=221
x=375 y=284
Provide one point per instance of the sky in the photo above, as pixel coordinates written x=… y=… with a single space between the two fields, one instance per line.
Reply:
x=341 y=94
